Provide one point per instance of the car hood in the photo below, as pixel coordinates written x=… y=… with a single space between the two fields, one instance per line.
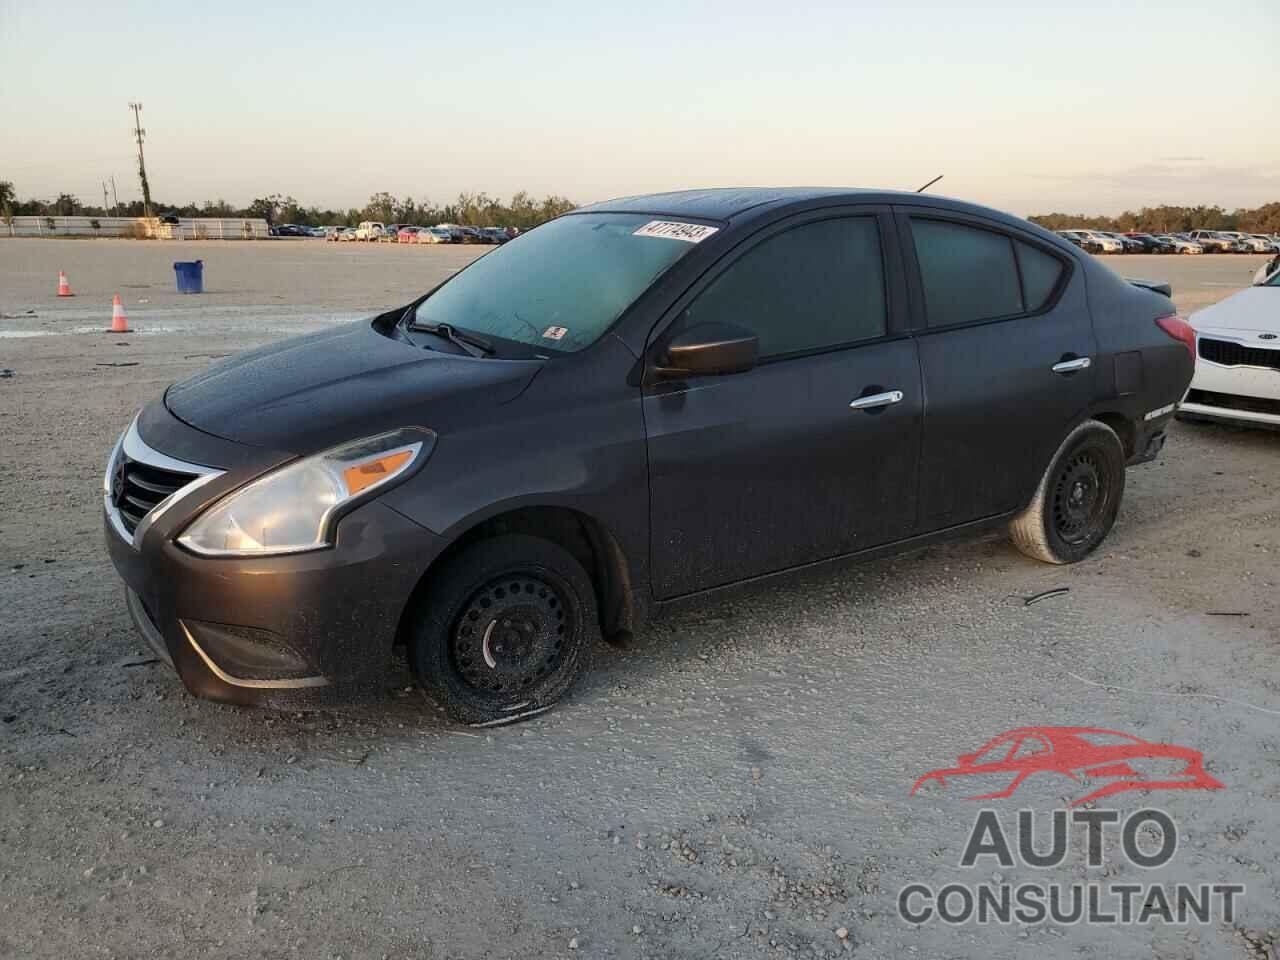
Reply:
x=310 y=392
x=1251 y=311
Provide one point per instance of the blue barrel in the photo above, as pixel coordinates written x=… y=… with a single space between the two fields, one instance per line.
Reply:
x=190 y=276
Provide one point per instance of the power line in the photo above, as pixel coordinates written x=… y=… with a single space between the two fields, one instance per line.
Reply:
x=142 y=166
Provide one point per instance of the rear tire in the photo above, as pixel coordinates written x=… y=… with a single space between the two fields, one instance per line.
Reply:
x=504 y=630
x=1076 y=502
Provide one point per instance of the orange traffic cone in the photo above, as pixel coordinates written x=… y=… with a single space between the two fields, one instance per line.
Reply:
x=64 y=288
x=119 y=322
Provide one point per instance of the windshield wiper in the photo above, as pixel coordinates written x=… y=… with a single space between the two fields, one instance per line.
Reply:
x=472 y=344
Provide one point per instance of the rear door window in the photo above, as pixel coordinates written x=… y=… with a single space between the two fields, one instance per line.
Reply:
x=967 y=273
x=812 y=287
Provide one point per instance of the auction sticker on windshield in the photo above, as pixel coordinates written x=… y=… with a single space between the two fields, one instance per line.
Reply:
x=674 y=230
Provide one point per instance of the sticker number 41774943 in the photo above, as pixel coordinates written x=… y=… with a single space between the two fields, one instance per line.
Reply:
x=675 y=230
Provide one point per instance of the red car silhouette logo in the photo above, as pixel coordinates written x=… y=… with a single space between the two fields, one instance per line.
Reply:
x=1115 y=761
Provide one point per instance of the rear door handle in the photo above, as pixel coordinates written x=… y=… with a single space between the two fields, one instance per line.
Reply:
x=1071 y=366
x=877 y=400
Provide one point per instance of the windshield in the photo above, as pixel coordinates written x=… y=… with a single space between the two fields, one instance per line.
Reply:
x=559 y=286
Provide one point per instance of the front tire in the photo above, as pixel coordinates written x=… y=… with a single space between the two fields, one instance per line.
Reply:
x=504 y=630
x=1076 y=503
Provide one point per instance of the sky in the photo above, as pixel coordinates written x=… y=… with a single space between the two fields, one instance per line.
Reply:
x=1081 y=107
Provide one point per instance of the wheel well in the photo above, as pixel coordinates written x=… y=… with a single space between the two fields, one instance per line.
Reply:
x=1123 y=428
x=589 y=541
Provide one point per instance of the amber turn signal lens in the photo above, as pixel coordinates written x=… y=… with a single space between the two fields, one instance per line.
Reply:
x=366 y=474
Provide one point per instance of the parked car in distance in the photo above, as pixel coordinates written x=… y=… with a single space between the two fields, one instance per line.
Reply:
x=1266 y=244
x=1212 y=241
x=1095 y=241
x=1151 y=243
x=1180 y=244
x=1237 y=376
x=497 y=235
x=369 y=230
x=565 y=436
x=391 y=232
x=434 y=235
x=407 y=234
x=292 y=230
x=1245 y=243
x=1128 y=243
x=350 y=234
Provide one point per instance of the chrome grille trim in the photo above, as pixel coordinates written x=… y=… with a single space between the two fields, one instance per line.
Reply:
x=132 y=446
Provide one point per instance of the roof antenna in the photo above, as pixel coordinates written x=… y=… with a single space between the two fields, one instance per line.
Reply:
x=930 y=183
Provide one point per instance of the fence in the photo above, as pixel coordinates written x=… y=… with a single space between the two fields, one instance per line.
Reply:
x=187 y=228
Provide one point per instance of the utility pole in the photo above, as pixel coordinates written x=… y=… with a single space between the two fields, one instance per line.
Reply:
x=142 y=166
x=115 y=201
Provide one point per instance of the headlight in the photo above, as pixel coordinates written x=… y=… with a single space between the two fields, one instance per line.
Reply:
x=295 y=507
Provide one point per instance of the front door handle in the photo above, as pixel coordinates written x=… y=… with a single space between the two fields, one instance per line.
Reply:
x=1071 y=366
x=877 y=400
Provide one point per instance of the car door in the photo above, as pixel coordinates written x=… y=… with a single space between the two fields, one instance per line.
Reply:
x=1006 y=351
x=789 y=462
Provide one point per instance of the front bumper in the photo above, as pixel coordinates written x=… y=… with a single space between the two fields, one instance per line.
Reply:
x=1240 y=393
x=287 y=630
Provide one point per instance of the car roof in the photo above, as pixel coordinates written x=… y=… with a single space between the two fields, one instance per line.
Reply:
x=726 y=203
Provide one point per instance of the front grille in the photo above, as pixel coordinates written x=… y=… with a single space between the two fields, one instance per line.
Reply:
x=138 y=487
x=1231 y=401
x=1231 y=354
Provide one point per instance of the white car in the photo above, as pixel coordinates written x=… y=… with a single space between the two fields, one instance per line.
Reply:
x=370 y=230
x=1237 y=374
x=1108 y=243
x=1263 y=243
x=1093 y=241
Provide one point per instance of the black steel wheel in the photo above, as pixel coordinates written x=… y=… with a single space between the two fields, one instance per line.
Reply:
x=1080 y=496
x=511 y=633
x=1075 y=505
x=504 y=630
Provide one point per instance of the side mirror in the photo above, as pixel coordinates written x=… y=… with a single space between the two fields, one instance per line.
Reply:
x=710 y=348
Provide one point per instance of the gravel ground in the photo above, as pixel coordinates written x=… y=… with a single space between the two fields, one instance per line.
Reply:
x=733 y=784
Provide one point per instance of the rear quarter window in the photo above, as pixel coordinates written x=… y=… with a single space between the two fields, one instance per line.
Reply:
x=1041 y=273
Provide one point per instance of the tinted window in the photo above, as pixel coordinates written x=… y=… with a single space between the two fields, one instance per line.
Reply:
x=1040 y=273
x=968 y=274
x=813 y=286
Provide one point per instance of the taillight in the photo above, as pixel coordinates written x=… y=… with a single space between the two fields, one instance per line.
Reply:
x=1179 y=329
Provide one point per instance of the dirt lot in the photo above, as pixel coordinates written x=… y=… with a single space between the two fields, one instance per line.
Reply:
x=735 y=784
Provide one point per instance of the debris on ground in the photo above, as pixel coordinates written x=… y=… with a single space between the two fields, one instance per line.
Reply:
x=1044 y=595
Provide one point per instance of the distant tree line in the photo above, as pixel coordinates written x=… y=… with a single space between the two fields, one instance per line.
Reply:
x=469 y=209
x=1167 y=219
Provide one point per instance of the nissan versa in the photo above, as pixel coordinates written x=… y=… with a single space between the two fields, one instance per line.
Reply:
x=638 y=402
